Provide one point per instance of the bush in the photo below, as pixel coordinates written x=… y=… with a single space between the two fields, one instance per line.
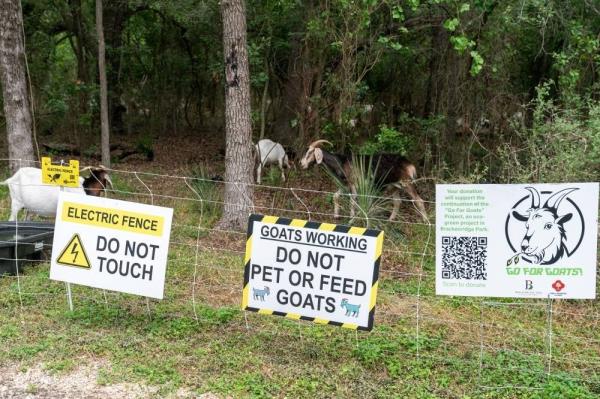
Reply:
x=209 y=191
x=562 y=145
x=387 y=140
x=368 y=203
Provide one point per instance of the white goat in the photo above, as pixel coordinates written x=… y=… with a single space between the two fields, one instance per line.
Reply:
x=27 y=190
x=269 y=152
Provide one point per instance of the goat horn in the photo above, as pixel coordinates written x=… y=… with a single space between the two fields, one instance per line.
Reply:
x=555 y=199
x=535 y=197
x=109 y=182
x=317 y=143
x=84 y=169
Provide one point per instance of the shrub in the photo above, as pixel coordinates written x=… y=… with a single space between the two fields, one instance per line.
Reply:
x=561 y=145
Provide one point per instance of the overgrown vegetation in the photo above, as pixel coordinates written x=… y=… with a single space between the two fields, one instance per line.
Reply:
x=209 y=194
x=470 y=90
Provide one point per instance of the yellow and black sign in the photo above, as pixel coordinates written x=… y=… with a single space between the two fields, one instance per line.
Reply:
x=111 y=218
x=66 y=175
x=305 y=270
x=74 y=254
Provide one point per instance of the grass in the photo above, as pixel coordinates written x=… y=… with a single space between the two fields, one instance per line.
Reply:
x=209 y=192
x=198 y=338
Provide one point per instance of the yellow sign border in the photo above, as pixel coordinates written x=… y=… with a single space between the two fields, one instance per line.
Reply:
x=378 y=234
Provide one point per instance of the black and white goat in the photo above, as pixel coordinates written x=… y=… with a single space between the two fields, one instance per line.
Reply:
x=27 y=191
x=544 y=240
x=391 y=170
x=267 y=153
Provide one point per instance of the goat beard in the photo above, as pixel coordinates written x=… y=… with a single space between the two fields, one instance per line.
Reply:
x=533 y=258
x=538 y=258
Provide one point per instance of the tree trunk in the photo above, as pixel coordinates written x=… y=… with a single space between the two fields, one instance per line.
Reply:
x=115 y=16
x=17 y=109
x=103 y=90
x=238 y=130
x=82 y=47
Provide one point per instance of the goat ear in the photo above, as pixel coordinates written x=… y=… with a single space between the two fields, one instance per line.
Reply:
x=518 y=216
x=318 y=155
x=564 y=218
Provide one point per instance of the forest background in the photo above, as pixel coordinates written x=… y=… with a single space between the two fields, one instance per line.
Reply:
x=494 y=91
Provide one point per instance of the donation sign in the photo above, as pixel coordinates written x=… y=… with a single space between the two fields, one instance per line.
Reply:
x=517 y=240
x=319 y=272
x=111 y=244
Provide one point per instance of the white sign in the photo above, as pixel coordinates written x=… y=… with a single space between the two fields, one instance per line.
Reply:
x=111 y=244
x=517 y=240
x=320 y=272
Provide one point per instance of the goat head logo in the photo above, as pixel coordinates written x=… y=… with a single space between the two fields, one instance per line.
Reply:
x=551 y=231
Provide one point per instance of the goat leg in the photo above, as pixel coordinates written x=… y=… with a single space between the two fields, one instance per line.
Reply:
x=417 y=200
x=14 y=211
x=336 y=204
x=281 y=168
x=353 y=197
x=396 y=201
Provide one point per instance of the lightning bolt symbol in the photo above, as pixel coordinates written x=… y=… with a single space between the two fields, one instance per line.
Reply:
x=74 y=252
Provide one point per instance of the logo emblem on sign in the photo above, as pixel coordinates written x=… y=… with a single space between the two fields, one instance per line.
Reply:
x=558 y=285
x=74 y=254
x=551 y=231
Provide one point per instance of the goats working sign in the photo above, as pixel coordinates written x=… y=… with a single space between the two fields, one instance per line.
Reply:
x=111 y=244
x=319 y=272
x=532 y=241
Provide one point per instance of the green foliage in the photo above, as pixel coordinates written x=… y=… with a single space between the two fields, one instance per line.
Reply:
x=145 y=146
x=461 y=43
x=561 y=146
x=367 y=201
x=209 y=193
x=477 y=63
x=322 y=63
x=451 y=24
x=387 y=140
x=271 y=175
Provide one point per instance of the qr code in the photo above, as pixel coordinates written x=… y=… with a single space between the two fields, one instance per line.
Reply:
x=464 y=258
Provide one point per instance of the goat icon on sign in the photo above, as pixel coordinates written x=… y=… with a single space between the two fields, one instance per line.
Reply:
x=552 y=230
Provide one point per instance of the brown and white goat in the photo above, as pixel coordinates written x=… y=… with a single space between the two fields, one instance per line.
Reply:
x=97 y=182
x=391 y=170
x=27 y=191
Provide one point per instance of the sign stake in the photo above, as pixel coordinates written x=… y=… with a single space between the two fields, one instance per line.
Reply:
x=69 y=297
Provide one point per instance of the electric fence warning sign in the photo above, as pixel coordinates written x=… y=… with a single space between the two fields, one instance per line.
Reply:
x=111 y=244
x=312 y=271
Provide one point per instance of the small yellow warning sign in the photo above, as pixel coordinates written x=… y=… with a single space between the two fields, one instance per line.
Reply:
x=60 y=175
x=74 y=254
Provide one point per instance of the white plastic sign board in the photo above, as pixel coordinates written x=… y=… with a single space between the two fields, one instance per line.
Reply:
x=517 y=240
x=111 y=244
x=312 y=271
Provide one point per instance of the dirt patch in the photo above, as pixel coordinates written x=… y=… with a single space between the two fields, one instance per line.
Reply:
x=37 y=383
